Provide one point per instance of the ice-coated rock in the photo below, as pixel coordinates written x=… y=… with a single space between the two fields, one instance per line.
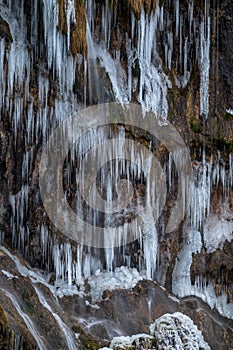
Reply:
x=177 y=331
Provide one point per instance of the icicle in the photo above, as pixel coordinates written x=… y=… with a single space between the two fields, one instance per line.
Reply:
x=204 y=62
x=93 y=75
x=153 y=82
x=190 y=16
x=200 y=203
x=19 y=204
x=181 y=42
x=70 y=19
x=150 y=252
x=2 y=74
x=177 y=15
x=44 y=234
x=230 y=170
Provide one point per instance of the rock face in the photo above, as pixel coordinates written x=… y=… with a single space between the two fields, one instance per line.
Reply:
x=174 y=58
x=75 y=322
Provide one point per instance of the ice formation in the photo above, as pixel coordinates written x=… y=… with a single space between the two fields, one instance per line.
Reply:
x=204 y=61
x=177 y=331
x=144 y=340
x=122 y=277
x=170 y=331
x=181 y=278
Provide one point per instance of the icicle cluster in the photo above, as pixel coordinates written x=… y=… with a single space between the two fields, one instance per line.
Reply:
x=36 y=90
x=206 y=228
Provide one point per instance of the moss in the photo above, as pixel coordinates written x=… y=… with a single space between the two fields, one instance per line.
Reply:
x=173 y=94
x=90 y=344
x=224 y=145
x=228 y=116
x=29 y=306
x=230 y=143
x=195 y=126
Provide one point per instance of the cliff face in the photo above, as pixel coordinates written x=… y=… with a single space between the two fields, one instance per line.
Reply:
x=174 y=58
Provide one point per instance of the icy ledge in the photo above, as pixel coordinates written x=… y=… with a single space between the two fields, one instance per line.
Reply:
x=123 y=277
x=170 y=331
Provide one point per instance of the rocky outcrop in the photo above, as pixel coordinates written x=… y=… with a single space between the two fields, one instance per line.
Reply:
x=91 y=325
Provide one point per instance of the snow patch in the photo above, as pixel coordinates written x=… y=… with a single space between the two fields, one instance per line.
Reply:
x=123 y=277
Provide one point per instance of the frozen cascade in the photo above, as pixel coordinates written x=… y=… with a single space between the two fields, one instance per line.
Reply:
x=200 y=203
x=153 y=82
x=41 y=121
x=64 y=328
x=150 y=251
x=62 y=65
x=20 y=61
x=17 y=342
x=122 y=277
x=181 y=279
x=93 y=75
x=111 y=328
x=207 y=176
x=19 y=205
x=177 y=15
x=72 y=263
x=73 y=269
x=26 y=319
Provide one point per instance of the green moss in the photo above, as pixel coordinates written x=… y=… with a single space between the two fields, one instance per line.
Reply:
x=195 y=126
x=29 y=306
x=228 y=116
x=230 y=145
x=90 y=344
x=224 y=145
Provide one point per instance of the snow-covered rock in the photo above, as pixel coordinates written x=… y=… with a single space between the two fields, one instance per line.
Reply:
x=177 y=331
x=169 y=332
